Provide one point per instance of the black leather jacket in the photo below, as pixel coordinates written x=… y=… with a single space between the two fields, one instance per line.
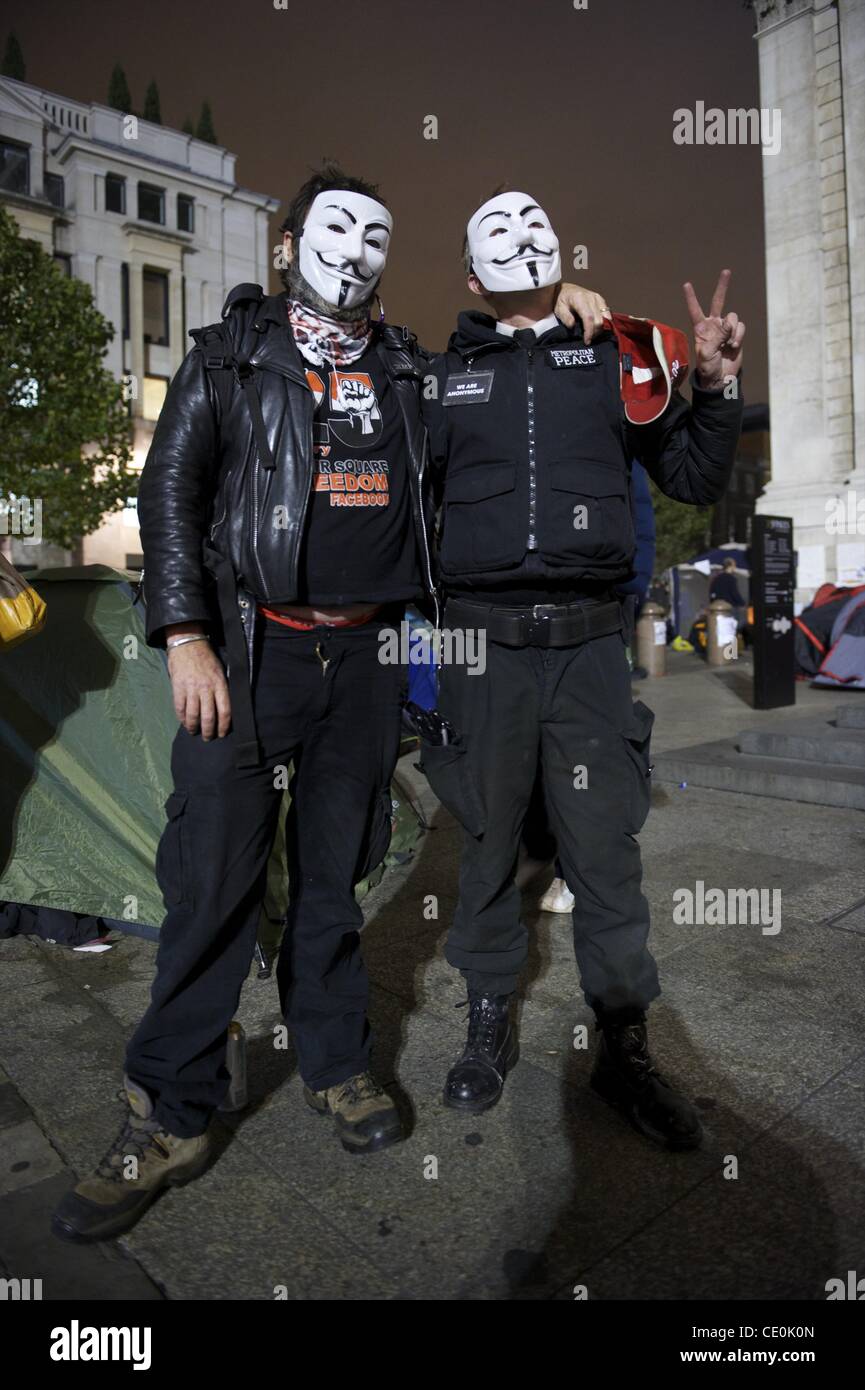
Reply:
x=204 y=487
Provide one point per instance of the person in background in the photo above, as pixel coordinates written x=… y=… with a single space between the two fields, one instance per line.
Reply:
x=643 y=513
x=724 y=586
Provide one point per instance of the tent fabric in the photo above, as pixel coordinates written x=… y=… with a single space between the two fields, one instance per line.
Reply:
x=422 y=676
x=844 y=663
x=86 y=727
x=814 y=625
x=719 y=553
x=86 y=723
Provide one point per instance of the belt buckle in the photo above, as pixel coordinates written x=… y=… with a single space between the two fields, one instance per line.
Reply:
x=540 y=622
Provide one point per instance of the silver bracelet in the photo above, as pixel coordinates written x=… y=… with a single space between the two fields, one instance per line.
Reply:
x=199 y=637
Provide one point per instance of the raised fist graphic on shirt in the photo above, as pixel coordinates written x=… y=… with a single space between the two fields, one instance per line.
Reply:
x=357 y=398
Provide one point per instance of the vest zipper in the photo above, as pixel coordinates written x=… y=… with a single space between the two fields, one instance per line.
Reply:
x=532 y=544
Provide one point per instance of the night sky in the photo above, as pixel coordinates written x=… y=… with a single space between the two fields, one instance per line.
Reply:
x=573 y=106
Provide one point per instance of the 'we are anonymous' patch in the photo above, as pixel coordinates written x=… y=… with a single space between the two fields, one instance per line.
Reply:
x=467 y=388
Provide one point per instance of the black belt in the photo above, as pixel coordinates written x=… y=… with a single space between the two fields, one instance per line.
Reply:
x=541 y=625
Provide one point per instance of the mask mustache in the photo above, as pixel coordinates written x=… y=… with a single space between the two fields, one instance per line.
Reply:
x=350 y=266
x=528 y=253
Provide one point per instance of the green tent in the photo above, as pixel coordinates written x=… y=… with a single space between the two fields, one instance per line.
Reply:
x=86 y=725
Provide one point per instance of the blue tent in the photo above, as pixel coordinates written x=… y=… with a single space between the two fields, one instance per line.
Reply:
x=844 y=663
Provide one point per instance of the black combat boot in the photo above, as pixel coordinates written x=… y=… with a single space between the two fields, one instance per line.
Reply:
x=476 y=1081
x=625 y=1076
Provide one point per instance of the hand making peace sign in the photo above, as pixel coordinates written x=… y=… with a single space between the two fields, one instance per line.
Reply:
x=717 y=337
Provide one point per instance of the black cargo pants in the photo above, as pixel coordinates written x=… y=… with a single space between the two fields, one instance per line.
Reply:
x=570 y=710
x=324 y=703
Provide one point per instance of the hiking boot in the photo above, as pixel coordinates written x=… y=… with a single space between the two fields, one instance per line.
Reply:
x=476 y=1081
x=366 y=1117
x=143 y=1160
x=625 y=1076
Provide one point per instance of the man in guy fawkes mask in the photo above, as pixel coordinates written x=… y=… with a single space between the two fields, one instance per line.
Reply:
x=285 y=522
x=532 y=437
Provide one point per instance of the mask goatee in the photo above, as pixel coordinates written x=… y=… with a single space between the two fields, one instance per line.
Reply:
x=300 y=288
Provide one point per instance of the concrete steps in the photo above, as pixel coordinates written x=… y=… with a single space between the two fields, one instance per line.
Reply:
x=804 y=741
x=723 y=766
x=818 y=762
x=852 y=715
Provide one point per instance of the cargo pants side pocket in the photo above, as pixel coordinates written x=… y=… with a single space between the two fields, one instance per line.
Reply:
x=449 y=773
x=637 y=737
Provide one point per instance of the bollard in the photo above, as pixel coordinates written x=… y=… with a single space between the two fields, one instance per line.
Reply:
x=721 y=640
x=652 y=639
x=235 y=1061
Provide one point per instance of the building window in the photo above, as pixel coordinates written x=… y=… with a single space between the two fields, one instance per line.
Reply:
x=151 y=203
x=133 y=562
x=185 y=213
x=14 y=168
x=115 y=193
x=155 y=288
x=153 y=396
x=63 y=262
x=54 y=190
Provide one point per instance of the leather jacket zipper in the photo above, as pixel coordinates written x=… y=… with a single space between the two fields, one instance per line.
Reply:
x=416 y=485
x=419 y=521
x=256 y=471
x=225 y=500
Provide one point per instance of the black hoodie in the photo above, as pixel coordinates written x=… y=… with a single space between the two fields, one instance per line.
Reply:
x=532 y=454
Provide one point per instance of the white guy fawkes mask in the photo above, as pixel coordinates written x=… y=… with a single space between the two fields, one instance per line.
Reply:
x=512 y=245
x=344 y=246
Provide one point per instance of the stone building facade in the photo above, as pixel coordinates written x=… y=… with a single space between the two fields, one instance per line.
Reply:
x=156 y=224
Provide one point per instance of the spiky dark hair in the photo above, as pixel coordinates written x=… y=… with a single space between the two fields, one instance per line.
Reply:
x=322 y=180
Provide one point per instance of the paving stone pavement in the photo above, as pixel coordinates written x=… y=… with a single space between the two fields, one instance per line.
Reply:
x=549 y=1191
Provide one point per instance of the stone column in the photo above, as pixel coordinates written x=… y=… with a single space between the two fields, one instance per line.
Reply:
x=852 y=30
x=808 y=283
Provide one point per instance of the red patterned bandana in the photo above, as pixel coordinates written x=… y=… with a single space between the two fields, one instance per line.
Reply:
x=322 y=340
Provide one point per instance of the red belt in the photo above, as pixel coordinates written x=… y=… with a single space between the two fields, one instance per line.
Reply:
x=303 y=626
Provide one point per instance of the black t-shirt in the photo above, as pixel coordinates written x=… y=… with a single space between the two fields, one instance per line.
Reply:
x=359 y=543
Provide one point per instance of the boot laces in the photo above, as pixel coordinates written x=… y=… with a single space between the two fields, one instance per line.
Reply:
x=634 y=1044
x=483 y=1019
x=135 y=1138
x=359 y=1088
